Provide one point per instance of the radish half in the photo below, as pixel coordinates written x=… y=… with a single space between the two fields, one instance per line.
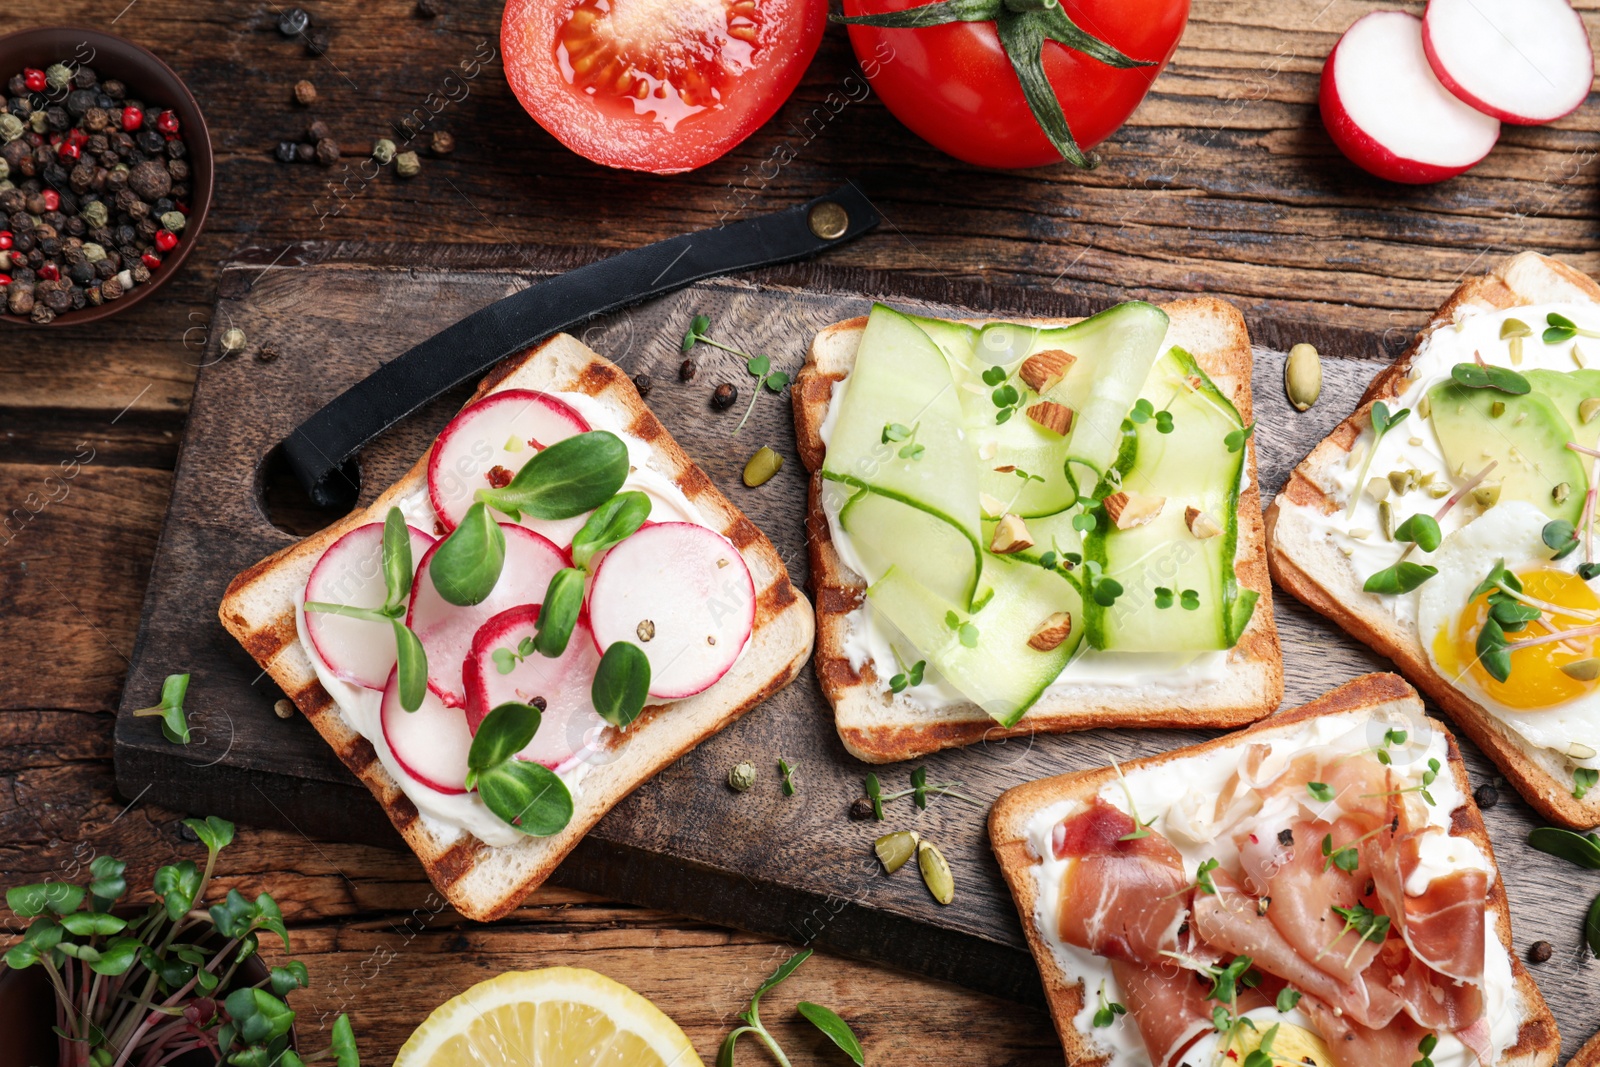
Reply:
x=683 y=594
x=568 y=722
x=502 y=430
x=351 y=572
x=431 y=743
x=1386 y=110
x=1520 y=61
x=446 y=630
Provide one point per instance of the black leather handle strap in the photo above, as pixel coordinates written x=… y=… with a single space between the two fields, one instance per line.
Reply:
x=320 y=450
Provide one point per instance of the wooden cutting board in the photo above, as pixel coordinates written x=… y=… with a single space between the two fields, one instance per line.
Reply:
x=317 y=318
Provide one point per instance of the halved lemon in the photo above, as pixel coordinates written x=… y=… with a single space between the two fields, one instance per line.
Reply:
x=565 y=1016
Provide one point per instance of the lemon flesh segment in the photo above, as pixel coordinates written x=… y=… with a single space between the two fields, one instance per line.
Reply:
x=560 y=1015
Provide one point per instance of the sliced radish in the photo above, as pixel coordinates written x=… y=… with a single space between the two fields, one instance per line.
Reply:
x=682 y=593
x=568 y=722
x=431 y=743
x=446 y=630
x=1386 y=110
x=351 y=572
x=1520 y=61
x=502 y=430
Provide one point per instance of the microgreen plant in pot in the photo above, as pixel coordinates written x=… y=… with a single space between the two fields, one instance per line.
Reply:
x=142 y=988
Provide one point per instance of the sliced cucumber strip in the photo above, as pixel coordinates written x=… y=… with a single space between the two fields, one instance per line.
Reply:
x=901 y=384
x=922 y=545
x=1000 y=672
x=1179 y=592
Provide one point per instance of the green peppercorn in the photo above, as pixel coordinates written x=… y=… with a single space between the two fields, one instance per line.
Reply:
x=383 y=151
x=5 y=169
x=57 y=75
x=92 y=252
x=742 y=776
x=407 y=165
x=174 y=221
x=11 y=127
x=95 y=214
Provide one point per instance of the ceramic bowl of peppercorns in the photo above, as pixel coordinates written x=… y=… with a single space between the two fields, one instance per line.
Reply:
x=105 y=175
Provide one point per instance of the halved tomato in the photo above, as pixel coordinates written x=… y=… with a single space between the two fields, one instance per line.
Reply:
x=657 y=85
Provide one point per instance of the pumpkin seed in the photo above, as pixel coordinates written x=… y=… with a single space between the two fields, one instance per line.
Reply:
x=936 y=873
x=1589 y=409
x=895 y=849
x=1583 y=670
x=1561 y=492
x=1302 y=376
x=1577 y=749
x=1425 y=406
x=1386 y=519
x=1497 y=408
x=762 y=466
x=1487 y=496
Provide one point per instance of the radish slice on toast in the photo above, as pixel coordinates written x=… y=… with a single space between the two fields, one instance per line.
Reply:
x=568 y=722
x=446 y=630
x=681 y=593
x=1387 y=111
x=351 y=572
x=503 y=430
x=1520 y=61
x=431 y=743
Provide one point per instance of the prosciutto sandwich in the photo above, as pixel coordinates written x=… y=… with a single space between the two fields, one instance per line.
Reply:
x=1317 y=889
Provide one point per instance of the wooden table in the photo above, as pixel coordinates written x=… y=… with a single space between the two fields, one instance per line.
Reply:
x=1223 y=182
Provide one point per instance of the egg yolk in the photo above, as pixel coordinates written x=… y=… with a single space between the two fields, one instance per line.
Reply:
x=1536 y=679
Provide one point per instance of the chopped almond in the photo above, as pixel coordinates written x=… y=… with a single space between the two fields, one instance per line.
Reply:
x=1042 y=371
x=1127 y=510
x=1054 y=630
x=1200 y=524
x=1010 y=535
x=992 y=508
x=1052 y=416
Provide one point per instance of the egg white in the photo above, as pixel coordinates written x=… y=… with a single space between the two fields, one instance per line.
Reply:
x=1511 y=531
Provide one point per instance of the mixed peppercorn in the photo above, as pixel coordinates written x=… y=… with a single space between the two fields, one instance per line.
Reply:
x=94 y=190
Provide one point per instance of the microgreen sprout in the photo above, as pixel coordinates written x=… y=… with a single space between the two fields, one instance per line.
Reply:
x=1141 y=826
x=506 y=659
x=1382 y=423
x=1559 y=328
x=1108 y=1010
x=1346 y=859
x=1143 y=411
x=920 y=791
x=1288 y=998
x=1104 y=591
x=966 y=632
x=1367 y=924
x=894 y=432
x=760 y=367
x=1483 y=376
x=824 y=1019
x=174 y=723
x=1005 y=396
x=1202 y=878
x=1583 y=780
x=1235 y=440
x=1426 y=1046
x=1320 y=790
x=791 y=779
x=908 y=678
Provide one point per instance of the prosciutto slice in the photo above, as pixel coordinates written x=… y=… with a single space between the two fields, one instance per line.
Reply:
x=1446 y=927
x=1168 y=1005
x=1353 y=1045
x=1305 y=890
x=1121 y=899
x=1231 y=921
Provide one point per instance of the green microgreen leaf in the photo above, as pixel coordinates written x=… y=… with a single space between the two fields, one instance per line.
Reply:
x=174 y=723
x=1164 y=422
x=968 y=635
x=1503 y=379
x=1287 y=999
x=1403 y=577
x=526 y=795
x=1202 y=878
x=838 y=1031
x=894 y=431
x=621 y=684
x=1583 y=780
x=1235 y=440
x=791 y=783
x=1320 y=790
x=286 y=979
x=558 y=613
x=1560 y=536
x=572 y=476
x=696 y=332
x=994 y=376
x=758 y=366
x=1422 y=530
x=397 y=563
x=875 y=794
x=919 y=787
x=214 y=833
x=467 y=564
x=612 y=523
x=1591 y=928
x=1364 y=921
x=343 y=1047
x=1346 y=859
x=1189 y=600
x=31 y=900
x=1560 y=328
x=1164 y=597
x=505 y=660
x=177 y=886
x=411 y=666
x=107 y=884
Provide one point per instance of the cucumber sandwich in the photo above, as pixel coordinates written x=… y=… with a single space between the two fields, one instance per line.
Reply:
x=1029 y=526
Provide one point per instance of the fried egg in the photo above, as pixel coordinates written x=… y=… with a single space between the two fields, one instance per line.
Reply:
x=1550 y=707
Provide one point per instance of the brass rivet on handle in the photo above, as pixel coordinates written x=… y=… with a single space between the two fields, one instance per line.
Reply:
x=828 y=220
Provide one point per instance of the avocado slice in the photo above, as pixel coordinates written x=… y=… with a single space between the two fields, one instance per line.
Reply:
x=1567 y=390
x=1527 y=440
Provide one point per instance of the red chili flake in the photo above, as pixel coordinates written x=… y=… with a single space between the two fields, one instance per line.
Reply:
x=438 y=528
x=5 y=239
x=535 y=445
x=166 y=240
x=50 y=272
x=52 y=200
x=35 y=79
x=167 y=122
x=132 y=119
x=499 y=477
x=1254 y=840
x=151 y=260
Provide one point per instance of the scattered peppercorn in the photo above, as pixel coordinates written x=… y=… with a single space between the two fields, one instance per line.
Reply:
x=383 y=151
x=327 y=151
x=305 y=153
x=317 y=42
x=443 y=142
x=407 y=165
x=428 y=9
x=724 y=396
x=861 y=810
x=318 y=130
x=305 y=93
x=284 y=153
x=1487 y=796
x=293 y=22
x=266 y=354
x=283 y=708
x=643 y=384
x=686 y=371
x=1540 y=951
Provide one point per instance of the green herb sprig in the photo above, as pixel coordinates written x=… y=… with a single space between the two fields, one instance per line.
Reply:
x=174 y=723
x=1188 y=598
x=1559 y=328
x=120 y=981
x=966 y=632
x=759 y=367
x=411 y=660
x=791 y=776
x=1508 y=613
x=1005 y=397
x=1102 y=590
x=824 y=1019
x=1346 y=859
x=1426 y=1046
x=1235 y=441
x=908 y=678
x=1583 y=780
x=920 y=791
x=1580 y=850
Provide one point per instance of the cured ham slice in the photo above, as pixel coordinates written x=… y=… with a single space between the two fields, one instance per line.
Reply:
x=1168 y=1005
x=1121 y=898
x=1231 y=920
x=1305 y=890
x=1437 y=1002
x=1354 y=1045
x=1446 y=927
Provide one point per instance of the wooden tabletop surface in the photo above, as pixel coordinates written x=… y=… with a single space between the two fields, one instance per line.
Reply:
x=1223 y=182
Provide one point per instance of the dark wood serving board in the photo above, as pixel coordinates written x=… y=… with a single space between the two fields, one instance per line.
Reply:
x=792 y=867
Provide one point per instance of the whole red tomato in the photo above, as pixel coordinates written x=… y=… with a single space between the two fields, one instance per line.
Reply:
x=955 y=87
x=657 y=85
